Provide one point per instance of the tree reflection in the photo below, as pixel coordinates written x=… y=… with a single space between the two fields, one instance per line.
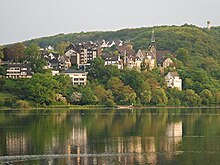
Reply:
x=151 y=136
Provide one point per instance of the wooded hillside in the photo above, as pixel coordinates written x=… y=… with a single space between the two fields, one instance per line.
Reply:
x=197 y=59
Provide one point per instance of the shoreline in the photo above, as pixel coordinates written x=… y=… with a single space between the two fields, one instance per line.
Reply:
x=88 y=107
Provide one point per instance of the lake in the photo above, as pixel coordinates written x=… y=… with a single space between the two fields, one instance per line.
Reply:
x=134 y=136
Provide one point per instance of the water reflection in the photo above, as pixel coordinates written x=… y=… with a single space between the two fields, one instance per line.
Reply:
x=171 y=145
x=113 y=137
x=16 y=143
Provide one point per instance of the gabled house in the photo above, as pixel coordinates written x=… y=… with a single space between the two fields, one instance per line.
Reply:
x=82 y=54
x=140 y=55
x=108 y=44
x=64 y=62
x=71 y=54
x=104 y=44
x=56 y=61
x=173 y=80
x=18 y=70
x=50 y=48
x=53 y=60
x=78 y=77
x=129 y=62
x=168 y=62
x=162 y=59
x=126 y=50
x=127 y=53
x=113 y=60
x=150 y=60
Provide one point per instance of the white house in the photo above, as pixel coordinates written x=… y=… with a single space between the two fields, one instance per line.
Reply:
x=113 y=60
x=18 y=70
x=78 y=77
x=173 y=80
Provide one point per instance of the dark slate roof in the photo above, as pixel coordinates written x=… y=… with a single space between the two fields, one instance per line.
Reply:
x=54 y=60
x=117 y=42
x=44 y=52
x=73 y=71
x=83 y=45
x=126 y=48
x=56 y=55
x=29 y=70
x=19 y=65
x=149 y=53
x=89 y=44
x=174 y=74
x=161 y=56
x=71 y=46
x=108 y=57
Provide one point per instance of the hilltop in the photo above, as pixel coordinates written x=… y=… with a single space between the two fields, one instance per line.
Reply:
x=167 y=37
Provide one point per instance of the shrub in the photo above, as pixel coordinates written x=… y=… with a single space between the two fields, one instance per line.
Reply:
x=110 y=103
x=9 y=102
x=22 y=104
x=2 y=102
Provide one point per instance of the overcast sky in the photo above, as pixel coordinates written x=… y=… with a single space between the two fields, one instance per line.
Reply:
x=27 y=19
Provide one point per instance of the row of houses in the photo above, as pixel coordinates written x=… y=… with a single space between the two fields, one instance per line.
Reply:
x=23 y=70
x=82 y=54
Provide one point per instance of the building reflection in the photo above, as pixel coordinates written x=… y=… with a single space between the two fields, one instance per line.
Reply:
x=171 y=145
x=151 y=151
x=78 y=145
x=139 y=150
x=147 y=150
x=16 y=143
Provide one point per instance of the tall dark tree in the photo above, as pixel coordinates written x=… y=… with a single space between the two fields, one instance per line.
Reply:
x=97 y=69
x=8 y=54
x=32 y=51
x=34 y=57
x=60 y=48
x=42 y=89
x=18 y=51
x=1 y=53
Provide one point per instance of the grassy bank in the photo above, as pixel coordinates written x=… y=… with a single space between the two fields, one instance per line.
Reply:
x=87 y=107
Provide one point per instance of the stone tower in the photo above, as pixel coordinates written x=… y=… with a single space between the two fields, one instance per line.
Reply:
x=209 y=25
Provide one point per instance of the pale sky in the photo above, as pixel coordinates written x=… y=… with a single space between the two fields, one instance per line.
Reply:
x=26 y=19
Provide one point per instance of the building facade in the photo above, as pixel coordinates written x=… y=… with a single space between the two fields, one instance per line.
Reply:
x=173 y=80
x=78 y=77
x=18 y=70
x=82 y=53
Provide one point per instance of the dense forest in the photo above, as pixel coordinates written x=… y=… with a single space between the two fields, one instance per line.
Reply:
x=197 y=52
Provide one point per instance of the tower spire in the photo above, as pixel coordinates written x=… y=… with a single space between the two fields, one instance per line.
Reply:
x=153 y=45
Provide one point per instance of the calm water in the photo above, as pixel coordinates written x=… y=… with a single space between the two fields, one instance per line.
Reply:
x=147 y=136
